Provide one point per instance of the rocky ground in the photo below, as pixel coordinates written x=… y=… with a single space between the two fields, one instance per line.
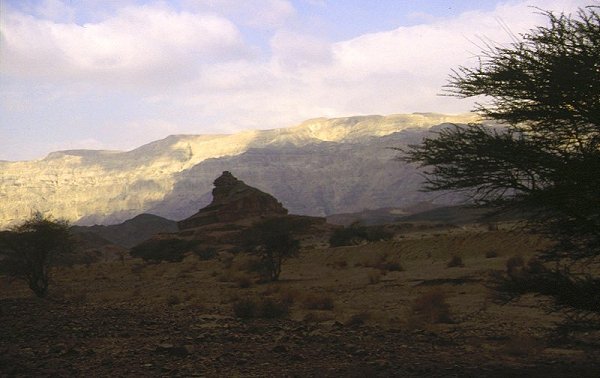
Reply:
x=350 y=314
x=44 y=338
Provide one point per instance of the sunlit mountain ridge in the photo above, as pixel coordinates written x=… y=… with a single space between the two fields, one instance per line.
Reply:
x=173 y=176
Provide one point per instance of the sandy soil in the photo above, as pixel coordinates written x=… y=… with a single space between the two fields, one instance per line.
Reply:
x=352 y=313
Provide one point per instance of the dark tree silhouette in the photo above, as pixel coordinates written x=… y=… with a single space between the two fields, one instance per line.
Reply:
x=542 y=158
x=273 y=240
x=30 y=249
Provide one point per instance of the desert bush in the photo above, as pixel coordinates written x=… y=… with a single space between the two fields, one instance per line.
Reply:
x=156 y=250
x=245 y=308
x=523 y=345
x=173 y=300
x=374 y=277
x=358 y=319
x=576 y=295
x=318 y=316
x=356 y=234
x=431 y=307
x=455 y=261
x=391 y=266
x=266 y=308
x=273 y=241
x=243 y=281
x=318 y=302
x=490 y=254
x=272 y=309
x=206 y=253
x=340 y=264
x=513 y=263
x=29 y=250
x=289 y=296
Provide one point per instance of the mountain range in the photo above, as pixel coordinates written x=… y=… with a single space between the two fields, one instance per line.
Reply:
x=320 y=167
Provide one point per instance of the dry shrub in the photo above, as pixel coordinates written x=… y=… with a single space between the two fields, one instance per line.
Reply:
x=431 y=308
x=227 y=261
x=249 y=264
x=455 y=261
x=513 y=263
x=523 y=345
x=491 y=254
x=391 y=266
x=289 y=296
x=318 y=302
x=226 y=276
x=243 y=281
x=267 y=308
x=383 y=264
x=318 y=317
x=340 y=264
x=358 y=319
x=137 y=268
x=80 y=298
x=173 y=300
x=245 y=308
x=273 y=309
x=374 y=277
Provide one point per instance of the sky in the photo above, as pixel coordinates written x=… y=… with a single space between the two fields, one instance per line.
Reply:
x=116 y=74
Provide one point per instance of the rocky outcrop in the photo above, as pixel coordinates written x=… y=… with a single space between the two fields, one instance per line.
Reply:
x=233 y=200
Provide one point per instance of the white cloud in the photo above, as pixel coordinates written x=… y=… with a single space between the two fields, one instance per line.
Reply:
x=260 y=14
x=291 y=51
x=139 y=45
x=196 y=72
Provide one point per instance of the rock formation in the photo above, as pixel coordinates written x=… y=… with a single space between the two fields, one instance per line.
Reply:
x=233 y=200
x=320 y=167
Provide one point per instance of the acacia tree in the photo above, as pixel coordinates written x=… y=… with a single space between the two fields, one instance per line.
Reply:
x=273 y=240
x=543 y=156
x=30 y=249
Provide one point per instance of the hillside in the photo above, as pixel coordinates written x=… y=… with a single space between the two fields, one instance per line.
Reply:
x=319 y=167
x=130 y=232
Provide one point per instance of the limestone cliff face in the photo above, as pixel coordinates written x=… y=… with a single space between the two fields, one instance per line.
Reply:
x=300 y=165
x=233 y=200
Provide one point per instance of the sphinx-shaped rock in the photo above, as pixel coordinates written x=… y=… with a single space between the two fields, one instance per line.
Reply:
x=233 y=200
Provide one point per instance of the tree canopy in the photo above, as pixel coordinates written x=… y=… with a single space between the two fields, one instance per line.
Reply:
x=543 y=156
x=31 y=248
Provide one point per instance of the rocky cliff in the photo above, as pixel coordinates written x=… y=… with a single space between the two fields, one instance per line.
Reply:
x=319 y=167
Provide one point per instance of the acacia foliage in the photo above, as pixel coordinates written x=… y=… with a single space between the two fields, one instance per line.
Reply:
x=274 y=241
x=30 y=249
x=543 y=157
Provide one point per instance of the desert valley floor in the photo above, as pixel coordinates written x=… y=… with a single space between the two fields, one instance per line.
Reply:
x=351 y=311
